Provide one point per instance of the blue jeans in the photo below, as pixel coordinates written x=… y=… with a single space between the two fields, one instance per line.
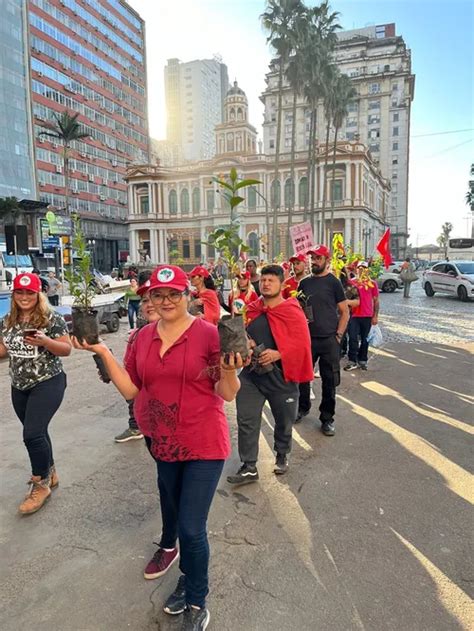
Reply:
x=186 y=493
x=359 y=328
x=133 y=307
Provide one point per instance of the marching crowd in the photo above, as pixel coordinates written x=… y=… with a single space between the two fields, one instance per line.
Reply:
x=175 y=379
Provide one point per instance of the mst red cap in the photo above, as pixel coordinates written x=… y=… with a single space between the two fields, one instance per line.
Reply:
x=31 y=282
x=243 y=274
x=170 y=276
x=298 y=257
x=199 y=270
x=320 y=250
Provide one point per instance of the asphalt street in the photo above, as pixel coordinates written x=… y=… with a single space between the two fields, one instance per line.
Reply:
x=371 y=529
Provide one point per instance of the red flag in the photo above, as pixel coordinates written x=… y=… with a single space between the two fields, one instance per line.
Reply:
x=383 y=246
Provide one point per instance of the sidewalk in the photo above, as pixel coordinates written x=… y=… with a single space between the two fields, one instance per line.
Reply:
x=369 y=530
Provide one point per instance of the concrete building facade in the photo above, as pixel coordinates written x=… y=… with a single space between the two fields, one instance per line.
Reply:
x=379 y=63
x=195 y=93
x=89 y=57
x=174 y=209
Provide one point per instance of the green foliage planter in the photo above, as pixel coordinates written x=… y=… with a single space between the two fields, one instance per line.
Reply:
x=232 y=334
x=85 y=324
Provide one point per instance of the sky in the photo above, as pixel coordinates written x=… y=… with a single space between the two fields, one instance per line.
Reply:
x=439 y=35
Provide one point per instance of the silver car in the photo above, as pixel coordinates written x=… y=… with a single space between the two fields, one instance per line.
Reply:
x=389 y=282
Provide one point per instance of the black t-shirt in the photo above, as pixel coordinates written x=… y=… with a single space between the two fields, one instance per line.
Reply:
x=256 y=286
x=260 y=332
x=323 y=293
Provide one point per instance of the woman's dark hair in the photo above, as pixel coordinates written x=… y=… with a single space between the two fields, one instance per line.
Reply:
x=209 y=283
x=275 y=270
x=407 y=259
x=143 y=277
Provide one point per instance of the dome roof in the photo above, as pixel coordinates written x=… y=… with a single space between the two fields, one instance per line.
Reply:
x=235 y=90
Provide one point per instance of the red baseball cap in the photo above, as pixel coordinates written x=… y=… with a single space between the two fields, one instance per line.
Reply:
x=31 y=282
x=170 y=276
x=320 y=250
x=298 y=257
x=243 y=274
x=199 y=270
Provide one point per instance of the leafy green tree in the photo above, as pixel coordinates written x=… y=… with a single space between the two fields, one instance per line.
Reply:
x=66 y=130
x=9 y=209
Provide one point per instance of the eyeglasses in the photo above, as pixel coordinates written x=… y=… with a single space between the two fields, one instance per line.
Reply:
x=174 y=297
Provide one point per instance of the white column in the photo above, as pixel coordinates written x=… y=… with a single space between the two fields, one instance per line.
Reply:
x=154 y=246
x=347 y=230
x=203 y=245
x=156 y=193
x=151 y=201
x=133 y=241
x=164 y=253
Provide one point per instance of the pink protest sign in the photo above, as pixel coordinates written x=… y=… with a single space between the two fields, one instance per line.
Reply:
x=302 y=237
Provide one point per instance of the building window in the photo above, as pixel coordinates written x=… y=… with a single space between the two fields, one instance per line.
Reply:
x=210 y=200
x=394 y=87
x=230 y=142
x=374 y=88
x=173 y=246
x=253 y=244
x=395 y=117
x=184 y=201
x=374 y=147
x=144 y=204
x=374 y=105
x=336 y=190
x=303 y=192
x=252 y=197
x=351 y=122
x=289 y=192
x=353 y=106
x=394 y=146
x=374 y=119
x=196 y=200
x=276 y=193
x=395 y=131
x=395 y=160
x=272 y=144
x=173 y=202
x=186 y=249
x=197 y=250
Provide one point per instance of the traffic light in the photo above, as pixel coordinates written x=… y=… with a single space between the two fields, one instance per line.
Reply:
x=66 y=250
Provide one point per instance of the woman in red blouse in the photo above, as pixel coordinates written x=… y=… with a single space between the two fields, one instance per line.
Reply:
x=176 y=369
x=205 y=294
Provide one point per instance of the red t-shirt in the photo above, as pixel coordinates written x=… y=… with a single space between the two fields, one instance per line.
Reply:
x=367 y=292
x=210 y=302
x=241 y=300
x=177 y=405
x=291 y=284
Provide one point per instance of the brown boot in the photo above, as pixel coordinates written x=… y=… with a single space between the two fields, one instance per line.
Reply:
x=53 y=477
x=38 y=495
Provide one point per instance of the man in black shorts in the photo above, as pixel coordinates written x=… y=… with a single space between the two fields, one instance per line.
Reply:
x=323 y=294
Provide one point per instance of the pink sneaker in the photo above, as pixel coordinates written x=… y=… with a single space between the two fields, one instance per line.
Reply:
x=160 y=563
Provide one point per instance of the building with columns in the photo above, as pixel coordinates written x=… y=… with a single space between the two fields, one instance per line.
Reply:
x=173 y=210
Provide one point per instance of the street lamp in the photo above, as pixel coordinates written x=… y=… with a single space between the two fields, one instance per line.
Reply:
x=91 y=242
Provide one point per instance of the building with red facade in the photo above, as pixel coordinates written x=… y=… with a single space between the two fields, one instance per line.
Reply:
x=88 y=56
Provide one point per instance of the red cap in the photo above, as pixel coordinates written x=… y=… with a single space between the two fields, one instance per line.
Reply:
x=285 y=265
x=243 y=274
x=199 y=270
x=320 y=250
x=298 y=257
x=144 y=288
x=167 y=276
x=31 y=282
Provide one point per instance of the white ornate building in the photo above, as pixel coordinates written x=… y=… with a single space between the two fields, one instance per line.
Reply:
x=174 y=209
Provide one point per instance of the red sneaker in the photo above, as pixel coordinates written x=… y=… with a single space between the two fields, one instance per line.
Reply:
x=160 y=563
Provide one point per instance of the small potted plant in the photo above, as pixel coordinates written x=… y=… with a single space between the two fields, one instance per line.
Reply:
x=227 y=241
x=85 y=325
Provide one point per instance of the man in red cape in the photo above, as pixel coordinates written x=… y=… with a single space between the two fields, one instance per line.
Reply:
x=281 y=360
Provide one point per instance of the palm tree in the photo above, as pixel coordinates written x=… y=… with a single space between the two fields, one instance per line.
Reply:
x=321 y=44
x=278 y=20
x=344 y=94
x=66 y=129
x=443 y=238
x=295 y=77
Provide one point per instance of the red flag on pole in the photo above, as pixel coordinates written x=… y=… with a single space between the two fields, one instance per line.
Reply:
x=383 y=246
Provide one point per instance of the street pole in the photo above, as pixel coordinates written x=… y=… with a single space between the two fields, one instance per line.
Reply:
x=61 y=260
x=16 y=253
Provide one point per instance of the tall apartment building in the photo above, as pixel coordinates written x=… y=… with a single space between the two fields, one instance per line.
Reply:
x=379 y=63
x=195 y=93
x=17 y=169
x=88 y=56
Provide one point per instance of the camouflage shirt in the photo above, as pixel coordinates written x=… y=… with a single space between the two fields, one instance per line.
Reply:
x=30 y=365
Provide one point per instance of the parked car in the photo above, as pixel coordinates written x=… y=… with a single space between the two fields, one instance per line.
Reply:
x=450 y=277
x=395 y=267
x=389 y=282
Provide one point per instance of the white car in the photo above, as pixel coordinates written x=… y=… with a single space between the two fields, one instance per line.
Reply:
x=388 y=282
x=450 y=277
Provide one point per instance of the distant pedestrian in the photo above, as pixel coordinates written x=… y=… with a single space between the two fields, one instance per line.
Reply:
x=282 y=358
x=179 y=379
x=242 y=295
x=44 y=282
x=328 y=314
x=53 y=289
x=251 y=266
x=133 y=302
x=362 y=318
x=408 y=276
x=290 y=287
x=204 y=296
x=34 y=337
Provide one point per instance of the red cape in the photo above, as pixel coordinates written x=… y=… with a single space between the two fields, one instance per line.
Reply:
x=291 y=333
